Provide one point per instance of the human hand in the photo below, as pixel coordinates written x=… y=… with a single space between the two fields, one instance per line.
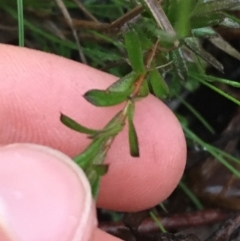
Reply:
x=44 y=196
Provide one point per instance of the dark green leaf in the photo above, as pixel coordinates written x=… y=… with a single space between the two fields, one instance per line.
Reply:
x=179 y=63
x=123 y=84
x=222 y=44
x=100 y=169
x=92 y=175
x=209 y=7
x=106 y=98
x=159 y=86
x=76 y=126
x=193 y=44
x=134 y=50
x=143 y=90
x=145 y=40
x=206 y=21
x=132 y=134
x=114 y=126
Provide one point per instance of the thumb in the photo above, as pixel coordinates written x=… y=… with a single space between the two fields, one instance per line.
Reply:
x=43 y=196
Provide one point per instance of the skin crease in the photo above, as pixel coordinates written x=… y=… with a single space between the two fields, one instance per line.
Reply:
x=36 y=87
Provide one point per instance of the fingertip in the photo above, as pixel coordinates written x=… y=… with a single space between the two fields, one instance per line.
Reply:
x=44 y=196
x=134 y=184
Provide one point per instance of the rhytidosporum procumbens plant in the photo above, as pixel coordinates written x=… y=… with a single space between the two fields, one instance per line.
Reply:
x=159 y=40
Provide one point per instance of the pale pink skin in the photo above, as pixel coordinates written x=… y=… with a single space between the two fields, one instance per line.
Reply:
x=34 y=88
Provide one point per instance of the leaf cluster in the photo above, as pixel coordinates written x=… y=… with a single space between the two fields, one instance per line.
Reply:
x=164 y=40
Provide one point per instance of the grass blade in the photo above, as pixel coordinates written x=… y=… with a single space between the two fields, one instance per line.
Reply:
x=197 y=114
x=191 y=195
x=134 y=50
x=20 y=23
x=212 y=151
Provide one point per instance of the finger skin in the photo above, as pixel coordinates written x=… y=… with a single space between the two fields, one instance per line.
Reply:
x=36 y=87
x=43 y=196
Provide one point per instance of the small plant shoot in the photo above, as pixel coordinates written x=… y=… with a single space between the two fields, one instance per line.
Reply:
x=155 y=49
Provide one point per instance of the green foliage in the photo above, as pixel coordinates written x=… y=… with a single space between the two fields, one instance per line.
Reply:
x=92 y=158
x=76 y=126
x=135 y=55
x=209 y=7
x=20 y=22
x=123 y=84
x=158 y=84
x=168 y=38
x=106 y=98
x=193 y=44
x=133 y=139
x=179 y=63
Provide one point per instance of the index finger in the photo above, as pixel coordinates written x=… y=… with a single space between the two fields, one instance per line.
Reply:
x=36 y=87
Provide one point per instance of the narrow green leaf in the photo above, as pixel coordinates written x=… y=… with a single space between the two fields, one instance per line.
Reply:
x=217 y=90
x=205 y=32
x=193 y=44
x=181 y=10
x=158 y=223
x=100 y=169
x=222 y=44
x=229 y=23
x=123 y=84
x=197 y=115
x=144 y=90
x=106 y=98
x=85 y=159
x=135 y=52
x=132 y=134
x=114 y=126
x=159 y=86
x=20 y=23
x=206 y=21
x=92 y=175
x=76 y=126
x=145 y=40
x=191 y=195
x=95 y=187
x=221 y=80
x=213 y=151
x=209 y=7
x=179 y=63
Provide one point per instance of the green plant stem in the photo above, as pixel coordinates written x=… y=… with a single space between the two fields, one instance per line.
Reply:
x=197 y=114
x=191 y=195
x=155 y=219
x=212 y=151
x=20 y=23
x=216 y=89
